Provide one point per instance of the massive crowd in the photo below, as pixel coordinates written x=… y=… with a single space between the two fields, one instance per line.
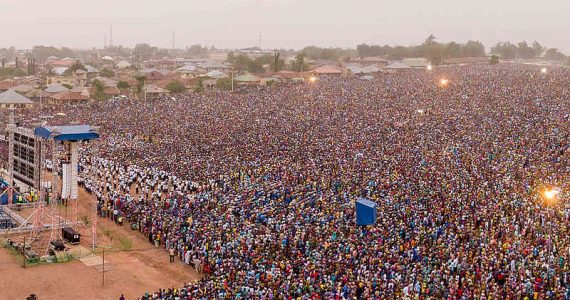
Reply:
x=257 y=190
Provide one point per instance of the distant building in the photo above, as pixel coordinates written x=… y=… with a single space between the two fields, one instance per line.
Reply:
x=327 y=70
x=59 y=80
x=397 y=66
x=215 y=74
x=416 y=63
x=11 y=99
x=55 y=88
x=7 y=84
x=67 y=97
x=465 y=60
x=66 y=62
x=123 y=64
x=359 y=70
x=219 y=55
x=162 y=64
x=247 y=79
x=211 y=65
x=375 y=61
x=152 y=90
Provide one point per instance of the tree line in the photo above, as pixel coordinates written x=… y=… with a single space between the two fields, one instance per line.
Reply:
x=523 y=50
x=436 y=52
x=431 y=49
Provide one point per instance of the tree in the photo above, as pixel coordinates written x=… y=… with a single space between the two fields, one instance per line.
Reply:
x=473 y=49
x=452 y=50
x=77 y=65
x=430 y=39
x=32 y=66
x=123 y=86
x=299 y=64
x=537 y=48
x=199 y=87
x=197 y=51
x=525 y=51
x=98 y=90
x=142 y=52
x=107 y=73
x=494 y=59
x=554 y=54
x=398 y=52
x=505 y=50
x=255 y=66
x=11 y=72
x=313 y=52
x=140 y=85
x=67 y=52
x=176 y=86
x=265 y=59
x=240 y=62
x=8 y=53
x=277 y=64
x=224 y=84
x=433 y=52
x=41 y=53
x=69 y=86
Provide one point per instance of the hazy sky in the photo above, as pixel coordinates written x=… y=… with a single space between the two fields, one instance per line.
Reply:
x=282 y=23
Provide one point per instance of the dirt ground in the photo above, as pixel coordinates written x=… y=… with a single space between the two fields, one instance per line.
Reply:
x=134 y=267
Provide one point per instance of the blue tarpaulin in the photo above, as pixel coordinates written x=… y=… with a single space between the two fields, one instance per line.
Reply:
x=365 y=212
x=67 y=133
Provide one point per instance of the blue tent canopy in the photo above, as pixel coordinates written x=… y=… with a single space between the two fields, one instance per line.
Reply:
x=67 y=133
x=365 y=212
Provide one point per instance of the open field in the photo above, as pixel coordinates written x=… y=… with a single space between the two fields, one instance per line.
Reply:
x=133 y=267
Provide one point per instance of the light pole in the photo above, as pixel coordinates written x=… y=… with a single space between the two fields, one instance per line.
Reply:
x=104 y=247
x=232 y=72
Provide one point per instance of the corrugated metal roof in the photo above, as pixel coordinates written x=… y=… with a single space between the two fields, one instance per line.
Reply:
x=11 y=97
x=56 y=88
x=247 y=78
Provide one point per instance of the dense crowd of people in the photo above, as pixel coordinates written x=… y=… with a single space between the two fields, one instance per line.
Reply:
x=257 y=190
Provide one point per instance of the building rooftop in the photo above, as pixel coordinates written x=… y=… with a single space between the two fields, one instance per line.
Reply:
x=12 y=97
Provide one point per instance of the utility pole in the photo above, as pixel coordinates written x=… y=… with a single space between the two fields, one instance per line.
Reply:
x=111 y=35
x=103 y=266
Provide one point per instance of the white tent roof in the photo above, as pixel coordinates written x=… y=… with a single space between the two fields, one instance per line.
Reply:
x=363 y=70
x=187 y=68
x=216 y=74
x=123 y=64
x=59 y=70
x=91 y=69
x=397 y=65
x=106 y=58
x=11 y=97
x=416 y=62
